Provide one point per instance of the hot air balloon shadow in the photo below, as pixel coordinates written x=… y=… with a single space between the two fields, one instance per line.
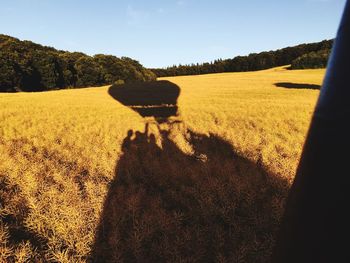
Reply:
x=156 y=99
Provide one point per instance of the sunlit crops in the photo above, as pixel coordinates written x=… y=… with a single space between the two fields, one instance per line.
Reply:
x=261 y=121
x=218 y=174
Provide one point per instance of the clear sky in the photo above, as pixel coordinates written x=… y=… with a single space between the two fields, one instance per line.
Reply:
x=161 y=33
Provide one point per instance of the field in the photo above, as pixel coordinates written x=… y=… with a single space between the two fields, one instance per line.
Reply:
x=86 y=177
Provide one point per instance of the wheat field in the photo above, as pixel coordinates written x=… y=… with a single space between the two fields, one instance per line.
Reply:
x=86 y=178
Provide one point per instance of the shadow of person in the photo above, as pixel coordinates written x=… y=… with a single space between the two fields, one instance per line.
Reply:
x=167 y=206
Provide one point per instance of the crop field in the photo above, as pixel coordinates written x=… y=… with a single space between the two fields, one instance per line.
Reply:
x=186 y=169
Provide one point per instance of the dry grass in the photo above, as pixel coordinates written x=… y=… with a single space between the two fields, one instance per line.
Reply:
x=208 y=187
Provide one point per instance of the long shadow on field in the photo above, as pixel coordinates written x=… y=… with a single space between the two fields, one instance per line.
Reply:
x=291 y=85
x=167 y=206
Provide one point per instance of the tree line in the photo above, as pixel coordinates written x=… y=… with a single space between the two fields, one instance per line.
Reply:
x=307 y=55
x=27 y=66
x=316 y=59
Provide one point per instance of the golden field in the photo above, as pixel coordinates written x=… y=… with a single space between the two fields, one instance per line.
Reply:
x=208 y=185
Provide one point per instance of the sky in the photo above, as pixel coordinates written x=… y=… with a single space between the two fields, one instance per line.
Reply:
x=161 y=33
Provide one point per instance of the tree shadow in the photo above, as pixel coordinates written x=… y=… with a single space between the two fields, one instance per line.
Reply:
x=164 y=205
x=291 y=85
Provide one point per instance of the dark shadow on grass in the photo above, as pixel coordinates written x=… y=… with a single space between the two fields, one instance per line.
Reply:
x=291 y=85
x=156 y=99
x=164 y=205
x=15 y=222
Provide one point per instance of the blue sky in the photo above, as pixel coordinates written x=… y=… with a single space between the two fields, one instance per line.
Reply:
x=163 y=33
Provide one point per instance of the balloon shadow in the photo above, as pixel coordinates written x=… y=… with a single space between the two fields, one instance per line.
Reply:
x=156 y=99
x=164 y=205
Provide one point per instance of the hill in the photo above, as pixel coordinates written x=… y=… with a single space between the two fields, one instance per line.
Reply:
x=259 y=61
x=198 y=174
x=27 y=66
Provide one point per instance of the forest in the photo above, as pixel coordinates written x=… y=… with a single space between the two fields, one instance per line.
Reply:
x=317 y=59
x=27 y=66
x=313 y=55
